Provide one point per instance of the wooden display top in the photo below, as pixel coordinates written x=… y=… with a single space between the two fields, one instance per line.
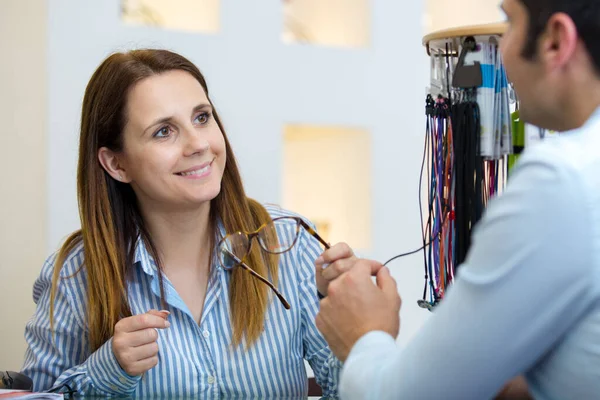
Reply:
x=498 y=28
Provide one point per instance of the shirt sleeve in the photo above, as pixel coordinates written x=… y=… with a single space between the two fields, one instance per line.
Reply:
x=525 y=283
x=59 y=357
x=325 y=365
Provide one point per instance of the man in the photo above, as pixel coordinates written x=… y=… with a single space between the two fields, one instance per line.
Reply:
x=527 y=299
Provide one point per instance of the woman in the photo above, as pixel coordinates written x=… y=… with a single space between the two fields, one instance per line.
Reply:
x=158 y=190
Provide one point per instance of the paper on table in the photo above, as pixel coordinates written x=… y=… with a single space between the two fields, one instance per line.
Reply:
x=23 y=394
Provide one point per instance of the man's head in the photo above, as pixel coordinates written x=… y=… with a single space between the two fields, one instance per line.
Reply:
x=553 y=59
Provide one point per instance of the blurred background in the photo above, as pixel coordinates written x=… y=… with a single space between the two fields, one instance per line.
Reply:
x=323 y=101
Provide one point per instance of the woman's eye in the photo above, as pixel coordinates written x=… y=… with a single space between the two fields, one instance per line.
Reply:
x=202 y=118
x=162 y=132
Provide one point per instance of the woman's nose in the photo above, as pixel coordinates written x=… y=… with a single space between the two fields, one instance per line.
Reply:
x=196 y=142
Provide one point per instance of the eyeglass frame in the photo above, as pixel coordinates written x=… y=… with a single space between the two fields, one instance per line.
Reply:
x=251 y=235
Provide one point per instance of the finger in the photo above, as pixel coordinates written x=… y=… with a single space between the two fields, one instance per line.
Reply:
x=164 y=314
x=387 y=284
x=369 y=267
x=323 y=327
x=143 y=352
x=140 y=338
x=142 y=321
x=337 y=268
x=322 y=315
x=144 y=365
x=339 y=251
x=319 y=322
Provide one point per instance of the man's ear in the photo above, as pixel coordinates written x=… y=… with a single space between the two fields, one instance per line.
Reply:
x=111 y=163
x=559 y=42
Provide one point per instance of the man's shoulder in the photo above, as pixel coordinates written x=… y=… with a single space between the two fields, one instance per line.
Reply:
x=563 y=161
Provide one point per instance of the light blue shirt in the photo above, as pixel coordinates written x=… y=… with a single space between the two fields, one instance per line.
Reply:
x=195 y=360
x=526 y=301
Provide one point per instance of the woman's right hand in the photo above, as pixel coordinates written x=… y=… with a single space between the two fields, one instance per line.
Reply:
x=334 y=262
x=134 y=341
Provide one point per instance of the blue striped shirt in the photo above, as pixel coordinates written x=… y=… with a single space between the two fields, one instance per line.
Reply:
x=195 y=360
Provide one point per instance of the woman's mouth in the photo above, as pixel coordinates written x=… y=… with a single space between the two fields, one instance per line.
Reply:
x=199 y=171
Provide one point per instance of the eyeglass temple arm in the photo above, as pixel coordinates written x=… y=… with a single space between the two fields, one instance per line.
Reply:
x=314 y=233
x=263 y=280
x=269 y=284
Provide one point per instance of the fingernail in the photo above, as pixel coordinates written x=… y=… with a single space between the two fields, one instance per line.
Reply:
x=325 y=265
x=167 y=324
x=320 y=260
x=165 y=311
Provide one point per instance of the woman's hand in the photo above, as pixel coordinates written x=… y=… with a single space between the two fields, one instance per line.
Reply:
x=516 y=389
x=134 y=342
x=333 y=263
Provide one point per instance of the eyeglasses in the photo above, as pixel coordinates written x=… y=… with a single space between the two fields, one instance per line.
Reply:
x=275 y=237
x=65 y=390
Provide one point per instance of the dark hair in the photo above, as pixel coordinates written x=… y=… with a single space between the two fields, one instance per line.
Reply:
x=584 y=13
x=111 y=222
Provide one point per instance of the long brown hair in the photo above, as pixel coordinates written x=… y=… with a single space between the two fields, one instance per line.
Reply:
x=111 y=222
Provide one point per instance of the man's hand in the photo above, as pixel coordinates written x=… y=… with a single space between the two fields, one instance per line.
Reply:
x=333 y=263
x=355 y=306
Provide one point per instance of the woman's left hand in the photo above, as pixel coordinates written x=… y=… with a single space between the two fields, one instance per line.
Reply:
x=333 y=263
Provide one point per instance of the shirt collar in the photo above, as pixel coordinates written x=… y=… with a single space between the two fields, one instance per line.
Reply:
x=144 y=258
x=595 y=116
x=591 y=122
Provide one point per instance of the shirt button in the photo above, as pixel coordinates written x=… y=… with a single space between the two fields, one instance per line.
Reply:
x=211 y=380
x=206 y=334
x=113 y=387
x=123 y=380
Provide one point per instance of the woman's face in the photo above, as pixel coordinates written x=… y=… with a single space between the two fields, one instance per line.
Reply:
x=173 y=150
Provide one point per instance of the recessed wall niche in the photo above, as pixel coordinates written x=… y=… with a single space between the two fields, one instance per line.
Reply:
x=182 y=15
x=338 y=23
x=327 y=179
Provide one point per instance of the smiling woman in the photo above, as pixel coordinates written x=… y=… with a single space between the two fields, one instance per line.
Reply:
x=158 y=188
x=170 y=140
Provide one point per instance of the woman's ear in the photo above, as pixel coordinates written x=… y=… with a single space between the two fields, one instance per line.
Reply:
x=112 y=165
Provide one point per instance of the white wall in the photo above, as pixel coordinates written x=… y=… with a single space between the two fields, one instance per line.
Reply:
x=23 y=112
x=259 y=85
x=344 y=23
x=191 y=15
x=51 y=47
